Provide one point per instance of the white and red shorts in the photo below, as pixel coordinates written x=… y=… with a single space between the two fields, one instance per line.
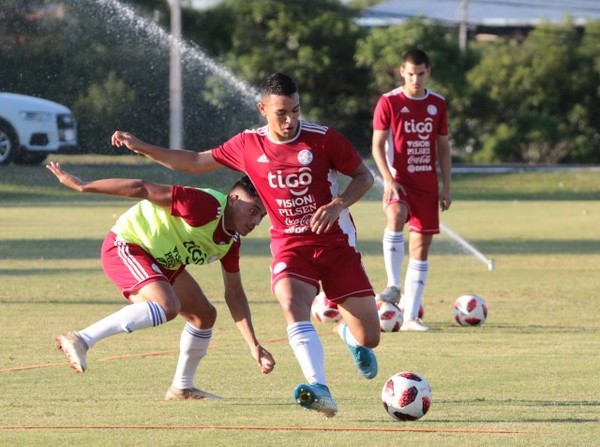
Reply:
x=130 y=267
x=339 y=269
x=423 y=213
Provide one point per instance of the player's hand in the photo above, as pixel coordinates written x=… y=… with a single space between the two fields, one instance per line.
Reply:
x=445 y=201
x=326 y=216
x=392 y=191
x=265 y=360
x=64 y=177
x=120 y=139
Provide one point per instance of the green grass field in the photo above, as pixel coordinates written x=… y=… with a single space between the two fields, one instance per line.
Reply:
x=530 y=376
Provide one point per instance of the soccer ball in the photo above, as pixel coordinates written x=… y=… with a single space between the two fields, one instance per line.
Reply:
x=324 y=310
x=421 y=308
x=406 y=396
x=470 y=310
x=390 y=316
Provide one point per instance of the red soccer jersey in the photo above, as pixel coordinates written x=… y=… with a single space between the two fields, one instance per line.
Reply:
x=294 y=178
x=414 y=125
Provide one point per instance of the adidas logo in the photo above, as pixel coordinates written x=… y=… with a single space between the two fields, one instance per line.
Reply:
x=404 y=110
x=262 y=159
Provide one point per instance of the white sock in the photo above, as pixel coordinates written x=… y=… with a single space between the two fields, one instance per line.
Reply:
x=130 y=318
x=307 y=347
x=393 y=255
x=414 y=284
x=346 y=335
x=192 y=347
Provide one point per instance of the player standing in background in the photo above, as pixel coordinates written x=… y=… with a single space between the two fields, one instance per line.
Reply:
x=145 y=255
x=294 y=165
x=410 y=130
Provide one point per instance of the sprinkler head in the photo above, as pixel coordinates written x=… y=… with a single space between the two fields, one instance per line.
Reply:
x=491 y=266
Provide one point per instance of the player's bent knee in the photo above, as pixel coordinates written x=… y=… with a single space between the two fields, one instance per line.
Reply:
x=372 y=339
x=171 y=310
x=211 y=316
x=201 y=317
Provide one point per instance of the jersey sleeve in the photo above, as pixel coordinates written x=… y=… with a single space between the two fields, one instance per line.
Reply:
x=231 y=153
x=344 y=155
x=382 y=114
x=231 y=261
x=195 y=206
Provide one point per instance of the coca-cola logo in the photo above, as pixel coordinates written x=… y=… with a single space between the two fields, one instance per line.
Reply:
x=422 y=129
x=296 y=182
x=419 y=159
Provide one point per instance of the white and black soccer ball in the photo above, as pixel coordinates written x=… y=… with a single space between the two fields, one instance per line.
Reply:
x=406 y=396
x=390 y=316
x=324 y=310
x=470 y=310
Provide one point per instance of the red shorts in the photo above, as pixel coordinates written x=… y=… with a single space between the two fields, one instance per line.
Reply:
x=130 y=267
x=423 y=212
x=339 y=269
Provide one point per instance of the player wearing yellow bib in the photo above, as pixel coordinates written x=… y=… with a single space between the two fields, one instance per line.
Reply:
x=145 y=255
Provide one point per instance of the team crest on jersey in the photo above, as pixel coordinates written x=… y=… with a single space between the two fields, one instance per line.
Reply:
x=432 y=110
x=305 y=157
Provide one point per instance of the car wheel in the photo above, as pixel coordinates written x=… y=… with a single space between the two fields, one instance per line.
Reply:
x=8 y=143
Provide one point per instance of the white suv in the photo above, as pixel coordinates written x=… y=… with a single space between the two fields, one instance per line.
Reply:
x=31 y=128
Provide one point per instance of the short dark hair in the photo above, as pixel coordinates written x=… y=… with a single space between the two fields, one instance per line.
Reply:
x=246 y=184
x=278 y=84
x=416 y=57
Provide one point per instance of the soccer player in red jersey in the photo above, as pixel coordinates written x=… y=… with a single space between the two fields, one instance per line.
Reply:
x=410 y=132
x=294 y=165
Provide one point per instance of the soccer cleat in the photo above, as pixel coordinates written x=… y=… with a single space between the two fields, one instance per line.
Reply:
x=75 y=348
x=189 y=394
x=414 y=325
x=364 y=358
x=390 y=294
x=316 y=397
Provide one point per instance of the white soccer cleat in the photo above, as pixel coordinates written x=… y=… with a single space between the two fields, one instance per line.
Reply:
x=75 y=348
x=414 y=325
x=189 y=394
x=390 y=294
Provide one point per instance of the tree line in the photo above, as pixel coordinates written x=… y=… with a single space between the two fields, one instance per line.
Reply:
x=535 y=100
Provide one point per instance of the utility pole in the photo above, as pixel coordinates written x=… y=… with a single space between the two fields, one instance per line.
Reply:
x=462 y=28
x=175 y=82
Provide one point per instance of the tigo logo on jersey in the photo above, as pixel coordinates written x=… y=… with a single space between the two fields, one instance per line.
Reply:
x=297 y=182
x=422 y=129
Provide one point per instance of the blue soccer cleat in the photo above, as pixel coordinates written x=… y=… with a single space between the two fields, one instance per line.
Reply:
x=364 y=358
x=315 y=397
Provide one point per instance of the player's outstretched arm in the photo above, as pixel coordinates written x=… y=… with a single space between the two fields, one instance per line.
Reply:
x=133 y=188
x=236 y=300
x=176 y=159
